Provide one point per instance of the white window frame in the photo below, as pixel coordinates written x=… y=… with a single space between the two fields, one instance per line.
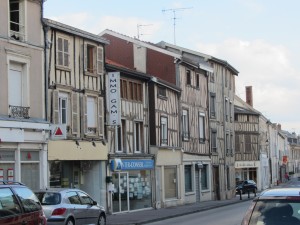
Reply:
x=23 y=60
x=201 y=127
x=63 y=97
x=185 y=125
x=65 y=53
x=164 y=131
x=21 y=34
x=138 y=136
x=91 y=114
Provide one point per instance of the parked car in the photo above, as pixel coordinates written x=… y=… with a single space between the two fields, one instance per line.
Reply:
x=70 y=207
x=19 y=205
x=279 y=206
x=245 y=186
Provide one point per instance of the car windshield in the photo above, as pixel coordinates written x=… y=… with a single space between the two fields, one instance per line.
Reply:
x=276 y=212
x=48 y=198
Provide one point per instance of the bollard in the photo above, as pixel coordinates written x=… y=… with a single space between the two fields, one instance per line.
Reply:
x=248 y=193
x=240 y=193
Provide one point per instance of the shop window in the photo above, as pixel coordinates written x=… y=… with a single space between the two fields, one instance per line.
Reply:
x=204 y=177
x=188 y=178
x=170 y=185
x=29 y=174
x=185 y=125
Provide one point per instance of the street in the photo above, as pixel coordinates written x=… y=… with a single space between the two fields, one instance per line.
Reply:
x=227 y=215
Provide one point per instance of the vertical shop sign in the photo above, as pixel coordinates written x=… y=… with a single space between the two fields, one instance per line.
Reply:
x=113 y=98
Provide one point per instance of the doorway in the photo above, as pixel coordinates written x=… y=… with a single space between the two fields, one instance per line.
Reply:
x=120 y=197
x=216 y=183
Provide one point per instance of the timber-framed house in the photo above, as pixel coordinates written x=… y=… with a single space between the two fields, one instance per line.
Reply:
x=76 y=93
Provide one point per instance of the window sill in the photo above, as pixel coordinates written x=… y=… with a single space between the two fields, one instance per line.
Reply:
x=16 y=42
x=189 y=193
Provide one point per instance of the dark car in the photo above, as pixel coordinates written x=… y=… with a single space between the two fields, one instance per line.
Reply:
x=279 y=206
x=245 y=186
x=19 y=205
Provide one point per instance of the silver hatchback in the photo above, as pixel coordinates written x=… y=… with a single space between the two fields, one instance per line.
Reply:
x=70 y=207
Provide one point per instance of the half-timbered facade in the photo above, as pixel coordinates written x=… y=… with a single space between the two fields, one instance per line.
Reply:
x=129 y=144
x=220 y=95
x=24 y=131
x=164 y=114
x=75 y=81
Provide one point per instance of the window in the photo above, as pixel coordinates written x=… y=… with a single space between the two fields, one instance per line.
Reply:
x=188 y=178
x=91 y=115
x=63 y=108
x=212 y=77
x=17 y=18
x=226 y=109
x=188 y=77
x=29 y=201
x=162 y=91
x=227 y=144
x=237 y=143
x=214 y=140
x=225 y=77
x=185 y=125
x=122 y=137
x=197 y=80
x=230 y=111
x=9 y=203
x=85 y=199
x=213 y=105
x=170 y=178
x=63 y=53
x=201 y=127
x=73 y=198
x=204 y=177
x=138 y=137
x=247 y=143
x=164 y=131
x=228 y=178
x=93 y=59
x=131 y=90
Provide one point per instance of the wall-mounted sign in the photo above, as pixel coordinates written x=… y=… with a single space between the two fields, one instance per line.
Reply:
x=284 y=159
x=131 y=164
x=113 y=98
x=58 y=131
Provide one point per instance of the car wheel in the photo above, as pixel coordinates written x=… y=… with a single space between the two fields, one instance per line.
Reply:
x=70 y=222
x=102 y=220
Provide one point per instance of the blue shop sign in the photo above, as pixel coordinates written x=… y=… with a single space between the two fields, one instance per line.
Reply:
x=133 y=164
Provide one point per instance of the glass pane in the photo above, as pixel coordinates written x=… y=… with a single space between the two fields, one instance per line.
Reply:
x=30 y=174
x=29 y=200
x=188 y=178
x=8 y=203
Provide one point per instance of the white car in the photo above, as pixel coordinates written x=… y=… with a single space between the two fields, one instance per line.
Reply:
x=70 y=207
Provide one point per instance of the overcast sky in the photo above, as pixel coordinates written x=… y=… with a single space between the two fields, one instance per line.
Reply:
x=260 y=38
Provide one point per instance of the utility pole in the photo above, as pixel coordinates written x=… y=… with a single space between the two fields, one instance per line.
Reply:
x=174 y=10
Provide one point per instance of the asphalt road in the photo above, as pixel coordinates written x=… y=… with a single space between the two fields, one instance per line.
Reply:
x=227 y=215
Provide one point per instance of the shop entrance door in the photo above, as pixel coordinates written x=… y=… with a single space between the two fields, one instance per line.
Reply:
x=120 y=197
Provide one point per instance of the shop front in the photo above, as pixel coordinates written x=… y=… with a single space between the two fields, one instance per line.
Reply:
x=248 y=170
x=130 y=186
x=80 y=165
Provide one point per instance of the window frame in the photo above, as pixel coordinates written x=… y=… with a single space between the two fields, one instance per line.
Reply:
x=164 y=131
x=91 y=106
x=201 y=120
x=138 y=137
x=205 y=179
x=212 y=106
x=189 y=182
x=19 y=33
x=188 y=77
x=64 y=53
x=63 y=97
x=214 y=143
x=185 y=125
x=122 y=137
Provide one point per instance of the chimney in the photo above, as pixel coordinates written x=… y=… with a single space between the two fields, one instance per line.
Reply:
x=249 y=95
x=279 y=126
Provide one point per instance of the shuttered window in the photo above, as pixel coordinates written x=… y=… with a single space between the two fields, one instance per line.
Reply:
x=63 y=54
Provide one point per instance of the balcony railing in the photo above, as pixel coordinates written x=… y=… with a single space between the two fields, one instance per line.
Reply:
x=19 y=111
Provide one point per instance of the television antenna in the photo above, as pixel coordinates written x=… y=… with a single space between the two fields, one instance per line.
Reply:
x=174 y=10
x=140 y=26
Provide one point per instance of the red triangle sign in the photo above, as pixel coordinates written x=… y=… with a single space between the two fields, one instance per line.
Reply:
x=58 y=132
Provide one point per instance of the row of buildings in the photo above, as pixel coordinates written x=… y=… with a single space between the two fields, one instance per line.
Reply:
x=135 y=124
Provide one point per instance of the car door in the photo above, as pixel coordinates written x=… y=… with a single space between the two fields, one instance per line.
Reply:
x=76 y=208
x=92 y=210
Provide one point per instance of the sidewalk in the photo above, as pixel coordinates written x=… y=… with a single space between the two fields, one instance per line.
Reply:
x=152 y=215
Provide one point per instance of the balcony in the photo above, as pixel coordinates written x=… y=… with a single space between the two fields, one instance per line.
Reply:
x=19 y=112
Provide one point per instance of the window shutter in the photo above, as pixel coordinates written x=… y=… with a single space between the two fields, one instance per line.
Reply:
x=99 y=60
x=100 y=117
x=85 y=56
x=55 y=107
x=75 y=113
x=84 y=106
